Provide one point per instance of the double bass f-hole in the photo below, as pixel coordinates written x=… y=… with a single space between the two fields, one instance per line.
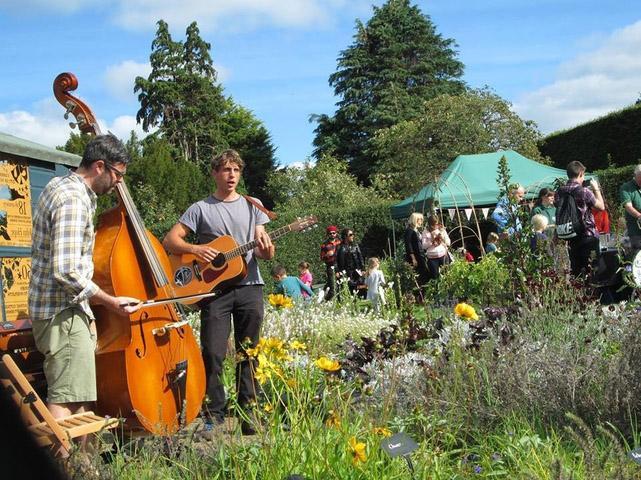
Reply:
x=141 y=320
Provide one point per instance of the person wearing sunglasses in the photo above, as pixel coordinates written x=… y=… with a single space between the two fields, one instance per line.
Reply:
x=328 y=251
x=349 y=261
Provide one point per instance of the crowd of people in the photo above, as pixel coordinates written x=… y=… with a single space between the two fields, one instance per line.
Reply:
x=344 y=264
x=427 y=248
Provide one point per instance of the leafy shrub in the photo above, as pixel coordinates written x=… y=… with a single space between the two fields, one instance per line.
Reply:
x=486 y=282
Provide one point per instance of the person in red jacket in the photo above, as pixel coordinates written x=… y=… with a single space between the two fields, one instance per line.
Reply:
x=601 y=220
x=329 y=248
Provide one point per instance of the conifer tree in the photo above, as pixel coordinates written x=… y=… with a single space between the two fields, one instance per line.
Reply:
x=396 y=63
x=181 y=95
x=183 y=98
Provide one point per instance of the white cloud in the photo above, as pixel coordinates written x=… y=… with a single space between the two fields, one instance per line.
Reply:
x=122 y=126
x=46 y=131
x=590 y=85
x=120 y=79
x=230 y=15
x=62 y=6
x=47 y=126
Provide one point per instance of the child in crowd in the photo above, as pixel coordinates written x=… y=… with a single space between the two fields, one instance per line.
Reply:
x=539 y=241
x=289 y=286
x=375 y=282
x=305 y=275
x=466 y=254
x=490 y=245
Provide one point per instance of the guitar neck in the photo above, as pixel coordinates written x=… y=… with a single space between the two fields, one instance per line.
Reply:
x=243 y=249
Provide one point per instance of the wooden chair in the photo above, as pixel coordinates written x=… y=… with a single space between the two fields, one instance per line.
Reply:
x=54 y=433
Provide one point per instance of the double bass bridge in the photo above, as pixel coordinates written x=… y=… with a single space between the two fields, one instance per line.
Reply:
x=164 y=330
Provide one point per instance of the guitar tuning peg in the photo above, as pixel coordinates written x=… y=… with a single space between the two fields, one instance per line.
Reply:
x=66 y=115
x=72 y=125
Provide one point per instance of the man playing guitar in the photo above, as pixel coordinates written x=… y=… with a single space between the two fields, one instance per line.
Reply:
x=226 y=212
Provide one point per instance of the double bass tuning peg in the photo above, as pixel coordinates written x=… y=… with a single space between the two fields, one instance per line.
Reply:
x=72 y=124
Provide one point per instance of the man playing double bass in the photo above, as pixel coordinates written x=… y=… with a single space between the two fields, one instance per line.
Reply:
x=226 y=212
x=61 y=288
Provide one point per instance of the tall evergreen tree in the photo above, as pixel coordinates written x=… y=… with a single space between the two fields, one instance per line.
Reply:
x=183 y=99
x=396 y=63
x=181 y=96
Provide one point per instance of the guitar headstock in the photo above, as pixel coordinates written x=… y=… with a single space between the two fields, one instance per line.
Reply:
x=304 y=223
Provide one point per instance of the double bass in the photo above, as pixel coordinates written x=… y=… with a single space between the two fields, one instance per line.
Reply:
x=149 y=368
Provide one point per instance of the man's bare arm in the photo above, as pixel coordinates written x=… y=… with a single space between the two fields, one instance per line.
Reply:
x=174 y=242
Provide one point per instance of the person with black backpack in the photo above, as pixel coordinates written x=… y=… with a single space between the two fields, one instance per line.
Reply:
x=574 y=219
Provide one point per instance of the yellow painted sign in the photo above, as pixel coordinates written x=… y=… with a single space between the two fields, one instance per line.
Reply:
x=15 y=204
x=15 y=287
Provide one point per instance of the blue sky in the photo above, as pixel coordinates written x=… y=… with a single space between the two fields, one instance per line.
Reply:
x=558 y=62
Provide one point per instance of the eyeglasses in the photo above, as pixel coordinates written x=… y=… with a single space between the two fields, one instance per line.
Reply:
x=350 y=234
x=117 y=172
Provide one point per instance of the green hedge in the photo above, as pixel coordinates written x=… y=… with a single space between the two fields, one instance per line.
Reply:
x=616 y=135
x=371 y=223
x=611 y=180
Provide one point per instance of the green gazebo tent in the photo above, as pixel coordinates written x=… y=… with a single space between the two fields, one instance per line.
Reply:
x=470 y=180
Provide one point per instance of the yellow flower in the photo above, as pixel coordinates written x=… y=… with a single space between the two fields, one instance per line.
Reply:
x=333 y=420
x=296 y=345
x=382 y=431
x=270 y=344
x=291 y=383
x=273 y=348
x=262 y=375
x=268 y=407
x=357 y=450
x=327 y=364
x=466 y=311
x=264 y=362
x=280 y=301
x=252 y=352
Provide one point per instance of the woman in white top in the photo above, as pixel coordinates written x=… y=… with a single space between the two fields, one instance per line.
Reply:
x=436 y=243
x=375 y=282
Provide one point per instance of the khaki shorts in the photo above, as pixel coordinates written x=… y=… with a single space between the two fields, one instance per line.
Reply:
x=68 y=343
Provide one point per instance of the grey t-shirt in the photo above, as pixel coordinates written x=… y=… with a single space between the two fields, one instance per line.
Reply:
x=212 y=218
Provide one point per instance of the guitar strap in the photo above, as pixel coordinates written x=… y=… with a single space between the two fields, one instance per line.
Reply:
x=271 y=215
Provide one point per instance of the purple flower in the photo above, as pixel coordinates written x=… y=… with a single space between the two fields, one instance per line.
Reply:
x=477 y=469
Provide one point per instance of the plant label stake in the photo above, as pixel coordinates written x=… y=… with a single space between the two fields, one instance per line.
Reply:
x=635 y=455
x=400 y=445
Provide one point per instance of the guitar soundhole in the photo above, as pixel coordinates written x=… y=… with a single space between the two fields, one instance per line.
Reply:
x=219 y=261
x=183 y=276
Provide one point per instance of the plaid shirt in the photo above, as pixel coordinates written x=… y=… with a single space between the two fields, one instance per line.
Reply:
x=329 y=249
x=62 y=248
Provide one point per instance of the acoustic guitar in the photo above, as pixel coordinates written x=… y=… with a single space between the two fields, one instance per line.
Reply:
x=192 y=277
